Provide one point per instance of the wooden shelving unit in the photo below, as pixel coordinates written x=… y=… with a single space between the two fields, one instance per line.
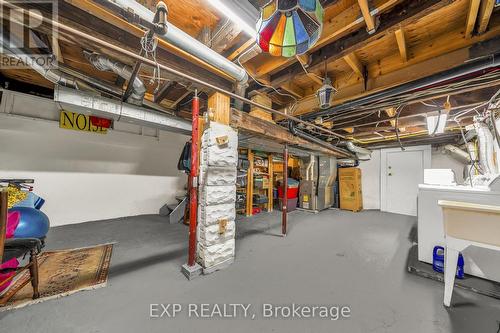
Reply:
x=259 y=170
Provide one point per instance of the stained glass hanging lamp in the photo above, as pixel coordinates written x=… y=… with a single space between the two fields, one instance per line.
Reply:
x=289 y=27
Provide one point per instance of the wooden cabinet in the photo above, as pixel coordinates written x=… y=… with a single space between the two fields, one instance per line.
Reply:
x=351 y=196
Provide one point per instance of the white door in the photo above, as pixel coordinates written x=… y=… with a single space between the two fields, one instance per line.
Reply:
x=402 y=172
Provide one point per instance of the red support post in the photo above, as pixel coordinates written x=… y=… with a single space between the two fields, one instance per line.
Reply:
x=193 y=193
x=285 y=190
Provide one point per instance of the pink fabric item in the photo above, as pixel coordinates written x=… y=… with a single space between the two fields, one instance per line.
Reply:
x=12 y=264
x=12 y=223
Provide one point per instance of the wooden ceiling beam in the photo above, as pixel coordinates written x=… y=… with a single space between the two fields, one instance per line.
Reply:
x=485 y=11
x=408 y=12
x=163 y=92
x=293 y=89
x=447 y=51
x=277 y=133
x=353 y=61
x=122 y=37
x=365 y=10
x=180 y=98
x=226 y=35
x=471 y=17
x=97 y=11
x=403 y=48
x=56 y=49
x=245 y=46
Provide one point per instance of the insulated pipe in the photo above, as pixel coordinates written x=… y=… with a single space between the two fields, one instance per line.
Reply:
x=468 y=68
x=193 y=193
x=185 y=42
x=285 y=190
x=104 y=63
x=97 y=41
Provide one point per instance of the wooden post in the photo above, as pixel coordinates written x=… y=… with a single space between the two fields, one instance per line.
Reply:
x=250 y=184
x=220 y=107
x=271 y=182
x=285 y=190
x=258 y=112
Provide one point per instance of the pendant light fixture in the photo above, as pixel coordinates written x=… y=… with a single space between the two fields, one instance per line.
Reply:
x=326 y=92
x=289 y=27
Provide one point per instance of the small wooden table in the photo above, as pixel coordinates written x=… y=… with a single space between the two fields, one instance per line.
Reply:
x=466 y=224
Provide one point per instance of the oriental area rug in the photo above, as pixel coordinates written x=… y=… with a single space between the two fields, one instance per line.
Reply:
x=62 y=273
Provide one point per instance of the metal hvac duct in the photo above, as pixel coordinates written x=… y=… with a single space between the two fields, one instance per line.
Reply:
x=91 y=103
x=50 y=74
x=485 y=139
x=362 y=154
x=104 y=63
x=496 y=128
x=182 y=40
x=458 y=153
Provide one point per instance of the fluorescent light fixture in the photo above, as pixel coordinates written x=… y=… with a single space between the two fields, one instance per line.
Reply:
x=434 y=119
x=234 y=17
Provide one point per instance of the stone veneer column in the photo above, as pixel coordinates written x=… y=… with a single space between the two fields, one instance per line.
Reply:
x=217 y=197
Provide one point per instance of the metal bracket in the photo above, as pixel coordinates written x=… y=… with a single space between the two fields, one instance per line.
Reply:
x=365 y=77
x=222 y=140
x=222 y=226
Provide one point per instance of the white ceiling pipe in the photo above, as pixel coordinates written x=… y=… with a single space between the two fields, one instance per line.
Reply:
x=187 y=43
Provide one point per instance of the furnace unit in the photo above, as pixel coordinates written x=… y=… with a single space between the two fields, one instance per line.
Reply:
x=318 y=174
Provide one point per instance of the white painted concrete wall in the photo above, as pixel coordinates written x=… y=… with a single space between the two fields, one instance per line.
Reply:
x=371 y=175
x=442 y=160
x=84 y=176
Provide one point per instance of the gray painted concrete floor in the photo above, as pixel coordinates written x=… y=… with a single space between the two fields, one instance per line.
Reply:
x=331 y=258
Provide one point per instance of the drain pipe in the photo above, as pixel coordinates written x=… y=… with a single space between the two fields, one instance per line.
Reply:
x=182 y=40
x=104 y=63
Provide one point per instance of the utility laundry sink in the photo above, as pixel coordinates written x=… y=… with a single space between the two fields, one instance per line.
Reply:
x=472 y=222
x=466 y=224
